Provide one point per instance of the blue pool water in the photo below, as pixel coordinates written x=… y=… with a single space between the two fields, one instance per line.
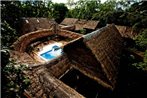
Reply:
x=47 y=55
x=51 y=54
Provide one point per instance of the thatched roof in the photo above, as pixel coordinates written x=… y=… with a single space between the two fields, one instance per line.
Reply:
x=33 y=24
x=80 y=23
x=87 y=24
x=84 y=60
x=126 y=31
x=91 y=24
x=69 y=21
x=106 y=44
x=98 y=52
x=45 y=82
x=22 y=58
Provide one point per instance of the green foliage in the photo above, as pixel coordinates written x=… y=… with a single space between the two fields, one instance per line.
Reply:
x=14 y=81
x=142 y=65
x=59 y=11
x=141 y=41
x=137 y=15
x=84 y=9
x=145 y=57
x=11 y=12
x=112 y=11
x=93 y=9
x=36 y=9
x=83 y=31
x=8 y=35
x=141 y=45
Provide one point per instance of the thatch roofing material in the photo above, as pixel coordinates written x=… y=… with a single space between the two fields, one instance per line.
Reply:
x=22 y=58
x=45 y=23
x=126 y=31
x=35 y=89
x=84 y=61
x=87 y=24
x=45 y=85
x=59 y=66
x=56 y=88
x=106 y=45
x=80 y=23
x=33 y=24
x=69 y=34
x=69 y=21
x=91 y=24
x=98 y=55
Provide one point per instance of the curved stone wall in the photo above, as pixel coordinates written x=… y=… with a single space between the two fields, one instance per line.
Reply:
x=21 y=44
x=23 y=41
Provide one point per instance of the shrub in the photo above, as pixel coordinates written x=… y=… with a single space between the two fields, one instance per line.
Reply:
x=141 y=41
x=142 y=65
x=14 y=80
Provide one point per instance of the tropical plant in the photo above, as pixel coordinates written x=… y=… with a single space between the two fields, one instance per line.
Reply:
x=142 y=65
x=59 y=11
x=8 y=35
x=14 y=81
x=84 y=9
x=141 y=41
